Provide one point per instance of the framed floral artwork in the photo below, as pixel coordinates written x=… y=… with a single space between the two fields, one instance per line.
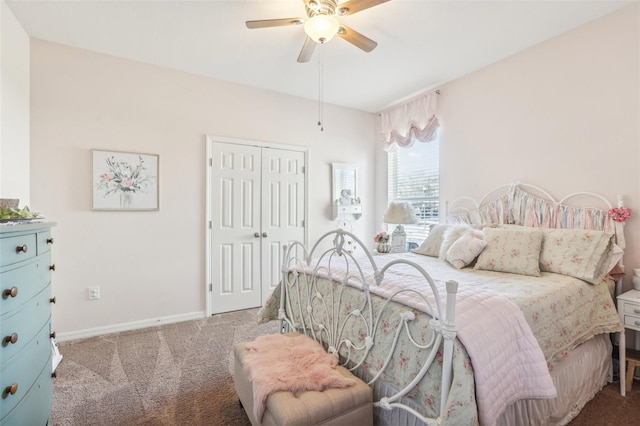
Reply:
x=124 y=180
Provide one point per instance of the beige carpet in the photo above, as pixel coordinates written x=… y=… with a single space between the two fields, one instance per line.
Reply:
x=177 y=374
x=181 y=374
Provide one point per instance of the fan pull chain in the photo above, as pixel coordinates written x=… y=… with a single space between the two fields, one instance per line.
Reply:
x=320 y=90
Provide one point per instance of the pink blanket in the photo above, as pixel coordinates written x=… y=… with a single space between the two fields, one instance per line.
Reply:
x=289 y=362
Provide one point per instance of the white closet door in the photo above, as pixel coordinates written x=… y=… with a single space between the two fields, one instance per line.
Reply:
x=257 y=204
x=235 y=227
x=282 y=210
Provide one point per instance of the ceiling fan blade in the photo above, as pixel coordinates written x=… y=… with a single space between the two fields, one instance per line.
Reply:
x=354 y=6
x=307 y=50
x=357 y=39
x=266 y=23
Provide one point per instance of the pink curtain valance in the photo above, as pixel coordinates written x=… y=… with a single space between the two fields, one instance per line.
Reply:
x=415 y=120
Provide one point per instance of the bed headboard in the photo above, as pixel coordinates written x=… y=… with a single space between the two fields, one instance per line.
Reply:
x=529 y=205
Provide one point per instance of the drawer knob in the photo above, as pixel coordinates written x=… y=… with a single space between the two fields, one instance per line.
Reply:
x=49 y=240
x=52 y=300
x=12 y=339
x=53 y=335
x=54 y=374
x=636 y=311
x=52 y=267
x=636 y=323
x=10 y=390
x=10 y=292
x=23 y=248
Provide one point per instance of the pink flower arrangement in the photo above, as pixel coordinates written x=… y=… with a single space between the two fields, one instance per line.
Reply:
x=381 y=237
x=620 y=214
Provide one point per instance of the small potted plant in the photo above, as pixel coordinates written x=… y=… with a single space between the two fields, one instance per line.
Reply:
x=382 y=238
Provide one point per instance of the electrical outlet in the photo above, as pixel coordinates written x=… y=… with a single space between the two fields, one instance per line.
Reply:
x=94 y=293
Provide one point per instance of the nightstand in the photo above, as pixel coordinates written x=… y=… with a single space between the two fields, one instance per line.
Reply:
x=629 y=311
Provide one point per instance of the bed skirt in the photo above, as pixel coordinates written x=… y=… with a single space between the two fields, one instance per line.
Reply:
x=578 y=377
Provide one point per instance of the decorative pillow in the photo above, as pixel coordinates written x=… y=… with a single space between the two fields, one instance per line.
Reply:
x=450 y=236
x=616 y=256
x=431 y=245
x=464 y=250
x=578 y=253
x=511 y=250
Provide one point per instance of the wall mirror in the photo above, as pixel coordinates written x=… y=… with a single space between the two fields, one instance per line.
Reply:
x=345 y=188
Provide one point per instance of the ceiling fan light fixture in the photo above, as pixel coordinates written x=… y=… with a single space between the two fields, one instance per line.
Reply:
x=321 y=28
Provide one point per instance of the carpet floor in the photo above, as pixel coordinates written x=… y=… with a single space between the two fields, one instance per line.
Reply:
x=182 y=374
x=177 y=374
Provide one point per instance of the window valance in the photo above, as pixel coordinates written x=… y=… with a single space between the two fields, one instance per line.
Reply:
x=415 y=120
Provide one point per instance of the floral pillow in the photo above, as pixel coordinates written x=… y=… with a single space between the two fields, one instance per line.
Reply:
x=464 y=250
x=579 y=253
x=511 y=250
x=431 y=245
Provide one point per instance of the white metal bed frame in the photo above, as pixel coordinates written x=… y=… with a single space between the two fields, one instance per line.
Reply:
x=450 y=206
x=324 y=318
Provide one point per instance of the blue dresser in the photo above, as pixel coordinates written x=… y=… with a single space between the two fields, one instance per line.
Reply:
x=25 y=324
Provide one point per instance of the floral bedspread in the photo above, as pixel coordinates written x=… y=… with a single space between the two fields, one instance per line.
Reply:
x=561 y=311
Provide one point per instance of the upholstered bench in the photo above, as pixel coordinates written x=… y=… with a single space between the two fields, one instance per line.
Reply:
x=335 y=406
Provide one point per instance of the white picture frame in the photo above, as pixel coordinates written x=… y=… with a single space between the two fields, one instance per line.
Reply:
x=124 y=180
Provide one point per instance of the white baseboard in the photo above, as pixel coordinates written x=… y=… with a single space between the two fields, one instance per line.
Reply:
x=127 y=326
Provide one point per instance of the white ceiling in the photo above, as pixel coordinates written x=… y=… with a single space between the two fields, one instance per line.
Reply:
x=421 y=43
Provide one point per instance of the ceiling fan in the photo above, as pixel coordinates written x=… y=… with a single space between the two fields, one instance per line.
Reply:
x=321 y=24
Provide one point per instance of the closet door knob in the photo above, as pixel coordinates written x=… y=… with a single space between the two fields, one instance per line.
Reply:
x=23 y=248
x=256 y=234
x=10 y=390
x=10 y=292
x=12 y=339
x=265 y=235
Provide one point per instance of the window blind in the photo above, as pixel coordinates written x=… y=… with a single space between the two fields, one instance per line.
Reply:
x=414 y=177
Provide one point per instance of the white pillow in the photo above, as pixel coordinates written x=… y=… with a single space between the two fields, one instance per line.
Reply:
x=464 y=250
x=452 y=233
x=431 y=245
x=511 y=250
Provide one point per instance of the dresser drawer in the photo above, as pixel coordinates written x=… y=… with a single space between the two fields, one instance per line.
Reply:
x=35 y=407
x=44 y=241
x=25 y=368
x=632 y=322
x=18 y=248
x=24 y=324
x=26 y=281
x=632 y=309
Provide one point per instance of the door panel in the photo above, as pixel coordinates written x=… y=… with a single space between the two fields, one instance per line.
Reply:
x=283 y=210
x=235 y=209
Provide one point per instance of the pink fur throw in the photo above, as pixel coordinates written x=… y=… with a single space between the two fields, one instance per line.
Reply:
x=289 y=362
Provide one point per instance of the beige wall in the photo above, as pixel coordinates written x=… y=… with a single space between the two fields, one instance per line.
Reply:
x=564 y=115
x=151 y=264
x=14 y=108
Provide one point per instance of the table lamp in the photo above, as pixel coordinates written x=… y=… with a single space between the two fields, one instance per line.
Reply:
x=399 y=213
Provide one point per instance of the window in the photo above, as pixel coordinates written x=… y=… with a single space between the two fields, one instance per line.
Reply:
x=414 y=177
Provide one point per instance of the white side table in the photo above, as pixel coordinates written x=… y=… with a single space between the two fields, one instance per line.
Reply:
x=629 y=311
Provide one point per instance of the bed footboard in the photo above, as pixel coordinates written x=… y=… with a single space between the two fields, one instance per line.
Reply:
x=325 y=293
